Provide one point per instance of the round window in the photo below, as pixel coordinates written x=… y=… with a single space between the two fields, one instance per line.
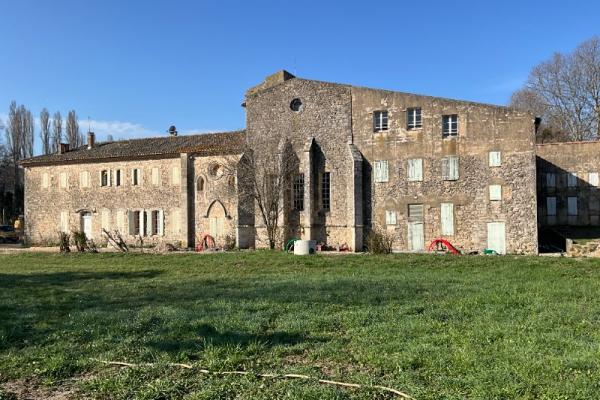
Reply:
x=216 y=170
x=296 y=105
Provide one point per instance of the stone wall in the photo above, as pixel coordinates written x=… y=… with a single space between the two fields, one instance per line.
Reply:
x=580 y=161
x=43 y=205
x=482 y=129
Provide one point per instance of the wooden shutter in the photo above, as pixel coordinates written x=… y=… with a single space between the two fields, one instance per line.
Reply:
x=176 y=220
x=416 y=240
x=454 y=168
x=120 y=222
x=384 y=171
x=495 y=192
x=161 y=223
x=106 y=219
x=64 y=221
x=415 y=212
x=176 y=176
x=131 y=216
x=390 y=217
x=445 y=169
x=495 y=159
x=447 y=218
x=496 y=237
x=377 y=171
x=415 y=170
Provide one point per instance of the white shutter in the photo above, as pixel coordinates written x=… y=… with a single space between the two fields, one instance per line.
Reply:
x=150 y=219
x=415 y=170
x=108 y=180
x=161 y=223
x=572 y=205
x=445 y=169
x=390 y=217
x=384 y=171
x=453 y=168
x=593 y=178
x=45 y=180
x=377 y=171
x=495 y=192
x=496 y=237
x=64 y=221
x=176 y=220
x=142 y=229
x=416 y=240
x=551 y=206
x=106 y=219
x=131 y=221
x=495 y=159
x=120 y=222
x=155 y=177
x=447 y=218
x=176 y=176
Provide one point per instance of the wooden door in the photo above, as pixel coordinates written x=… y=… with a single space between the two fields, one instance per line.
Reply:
x=496 y=237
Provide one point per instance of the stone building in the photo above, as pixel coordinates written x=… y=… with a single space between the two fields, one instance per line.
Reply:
x=418 y=167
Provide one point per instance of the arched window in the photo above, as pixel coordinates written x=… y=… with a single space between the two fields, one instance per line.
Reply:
x=231 y=181
x=200 y=184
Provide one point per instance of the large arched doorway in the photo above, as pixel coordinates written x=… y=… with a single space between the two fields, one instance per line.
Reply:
x=216 y=219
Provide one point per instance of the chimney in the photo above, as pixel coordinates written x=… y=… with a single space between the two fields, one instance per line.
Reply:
x=91 y=140
x=172 y=130
x=63 y=148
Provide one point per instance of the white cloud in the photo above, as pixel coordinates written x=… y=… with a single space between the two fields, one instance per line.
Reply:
x=118 y=129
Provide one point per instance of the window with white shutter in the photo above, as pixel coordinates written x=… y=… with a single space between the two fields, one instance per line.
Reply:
x=415 y=170
x=571 y=205
x=447 y=218
x=176 y=176
x=450 y=168
x=176 y=220
x=156 y=176
x=495 y=159
x=571 y=179
x=381 y=171
x=64 y=180
x=551 y=206
x=121 y=221
x=495 y=192
x=593 y=179
x=390 y=217
x=64 y=221
x=106 y=219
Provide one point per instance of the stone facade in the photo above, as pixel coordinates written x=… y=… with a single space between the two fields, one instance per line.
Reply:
x=345 y=140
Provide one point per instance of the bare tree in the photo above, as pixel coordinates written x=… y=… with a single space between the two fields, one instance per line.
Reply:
x=19 y=137
x=28 y=126
x=56 y=131
x=45 y=130
x=74 y=138
x=264 y=184
x=565 y=92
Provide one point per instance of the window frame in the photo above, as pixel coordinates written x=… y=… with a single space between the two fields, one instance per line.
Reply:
x=326 y=191
x=495 y=192
x=448 y=172
x=452 y=131
x=414 y=165
x=104 y=178
x=380 y=121
x=378 y=171
x=551 y=199
x=136 y=177
x=298 y=192
x=391 y=217
x=414 y=118
x=495 y=158
x=569 y=208
x=410 y=212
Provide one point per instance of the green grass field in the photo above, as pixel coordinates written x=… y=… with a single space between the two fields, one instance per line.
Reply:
x=435 y=327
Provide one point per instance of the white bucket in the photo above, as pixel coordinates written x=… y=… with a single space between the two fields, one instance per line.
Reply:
x=304 y=247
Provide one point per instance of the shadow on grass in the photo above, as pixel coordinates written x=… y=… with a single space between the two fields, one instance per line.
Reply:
x=9 y=281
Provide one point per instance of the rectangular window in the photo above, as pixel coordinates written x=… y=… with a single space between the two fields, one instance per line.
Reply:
x=45 y=180
x=415 y=212
x=450 y=125
x=381 y=171
x=106 y=219
x=84 y=179
x=593 y=179
x=118 y=178
x=136 y=177
x=571 y=179
x=156 y=176
x=326 y=188
x=121 y=221
x=447 y=218
x=176 y=221
x=155 y=222
x=495 y=192
x=390 y=217
x=413 y=118
x=176 y=176
x=415 y=170
x=137 y=218
x=64 y=180
x=299 y=192
x=495 y=159
x=551 y=206
x=551 y=180
x=104 y=178
x=571 y=205
x=380 y=121
x=450 y=168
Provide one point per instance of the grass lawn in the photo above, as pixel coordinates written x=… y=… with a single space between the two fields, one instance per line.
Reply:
x=435 y=327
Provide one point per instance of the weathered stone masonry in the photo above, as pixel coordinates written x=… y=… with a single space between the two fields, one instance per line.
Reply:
x=414 y=182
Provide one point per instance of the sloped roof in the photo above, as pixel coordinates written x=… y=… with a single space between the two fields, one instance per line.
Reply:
x=204 y=144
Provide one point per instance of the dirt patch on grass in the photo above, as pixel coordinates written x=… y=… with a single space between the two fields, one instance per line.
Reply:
x=30 y=389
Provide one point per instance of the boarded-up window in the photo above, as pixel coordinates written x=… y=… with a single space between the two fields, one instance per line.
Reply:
x=45 y=180
x=390 y=217
x=447 y=218
x=176 y=176
x=64 y=180
x=495 y=192
x=550 y=206
x=415 y=170
x=381 y=171
x=495 y=159
x=64 y=221
x=450 y=168
x=572 y=205
x=415 y=212
x=106 y=219
x=571 y=179
x=593 y=178
x=551 y=180
x=156 y=176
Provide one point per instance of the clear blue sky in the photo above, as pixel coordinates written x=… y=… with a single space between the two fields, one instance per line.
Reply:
x=135 y=67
